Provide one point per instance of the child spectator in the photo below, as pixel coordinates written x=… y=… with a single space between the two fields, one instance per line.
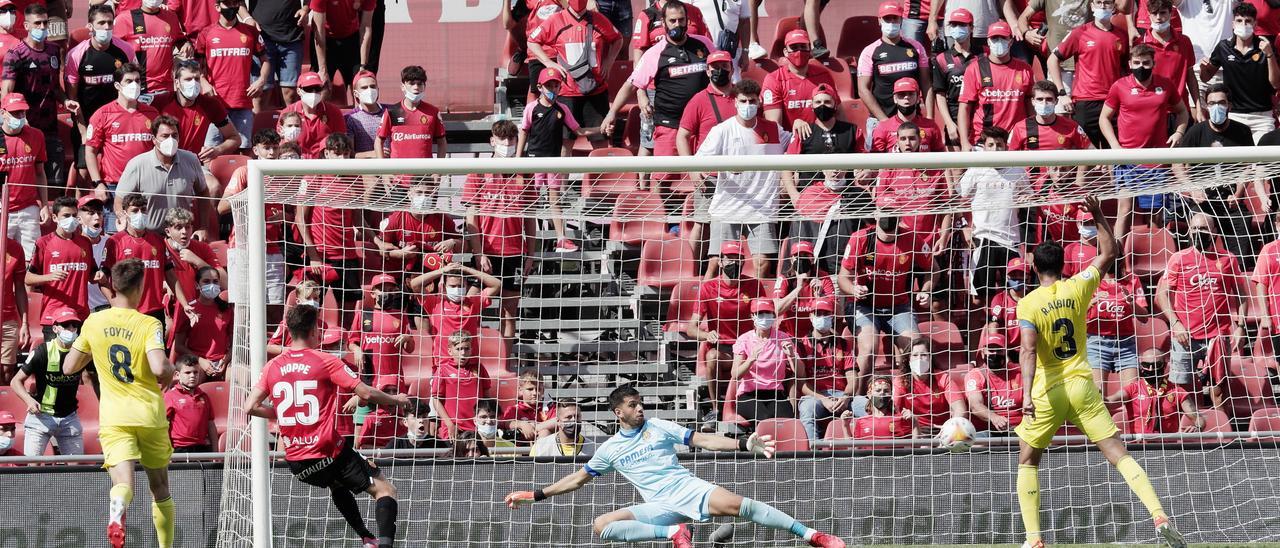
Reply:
x=380 y=336
x=52 y=407
x=486 y=420
x=762 y=358
x=383 y=425
x=307 y=293
x=290 y=126
x=266 y=146
x=800 y=286
x=409 y=234
x=411 y=127
x=457 y=386
x=420 y=425
x=452 y=309
x=569 y=441
x=881 y=422
x=547 y=131
x=136 y=242
x=188 y=255
x=203 y=328
x=1154 y=404
x=8 y=429
x=533 y=415
x=190 y=413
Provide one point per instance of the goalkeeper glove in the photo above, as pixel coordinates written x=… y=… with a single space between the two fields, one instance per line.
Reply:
x=760 y=445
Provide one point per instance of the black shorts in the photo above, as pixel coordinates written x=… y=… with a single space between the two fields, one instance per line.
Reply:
x=1086 y=114
x=510 y=270
x=342 y=55
x=991 y=260
x=589 y=111
x=347 y=287
x=77 y=147
x=348 y=470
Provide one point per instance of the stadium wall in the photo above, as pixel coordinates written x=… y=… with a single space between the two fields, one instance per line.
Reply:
x=933 y=498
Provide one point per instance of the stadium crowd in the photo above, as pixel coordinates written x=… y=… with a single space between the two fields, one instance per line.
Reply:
x=121 y=141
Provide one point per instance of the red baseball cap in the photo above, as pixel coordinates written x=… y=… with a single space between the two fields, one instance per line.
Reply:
x=87 y=199
x=960 y=15
x=310 y=79
x=888 y=9
x=994 y=340
x=65 y=315
x=4 y=3
x=383 y=279
x=906 y=85
x=826 y=304
x=802 y=247
x=1017 y=264
x=14 y=102
x=326 y=275
x=824 y=89
x=733 y=247
x=7 y=419
x=797 y=36
x=762 y=305
x=999 y=28
x=363 y=74
x=719 y=57
x=434 y=261
x=550 y=75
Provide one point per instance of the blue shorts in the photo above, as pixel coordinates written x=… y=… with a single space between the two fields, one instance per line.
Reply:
x=899 y=320
x=242 y=119
x=286 y=63
x=1137 y=178
x=690 y=503
x=1111 y=354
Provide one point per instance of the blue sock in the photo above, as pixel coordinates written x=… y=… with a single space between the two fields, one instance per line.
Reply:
x=773 y=518
x=632 y=530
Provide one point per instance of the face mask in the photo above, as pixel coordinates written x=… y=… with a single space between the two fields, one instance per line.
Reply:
x=799 y=58
x=908 y=110
x=823 y=323
x=883 y=403
x=1243 y=31
x=229 y=13
x=177 y=246
x=418 y=202
x=1161 y=27
x=15 y=123
x=999 y=47
x=1045 y=108
x=995 y=362
x=1141 y=74
x=102 y=36
x=888 y=224
x=1089 y=232
x=892 y=30
x=1152 y=376
x=7 y=20
x=1202 y=240
x=291 y=133
x=137 y=221
x=731 y=270
x=189 y=88
x=958 y=32
x=38 y=35
x=764 y=322
x=677 y=34
x=804 y=265
x=919 y=366
x=90 y=232
x=68 y=224
x=131 y=91
x=413 y=436
x=504 y=151
x=720 y=77
x=1218 y=114
x=310 y=98
x=825 y=113
x=308 y=303
x=455 y=294
x=368 y=96
x=550 y=95
x=487 y=431
x=1103 y=14
x=210 y=291
x=67 y=336
x=412 y=98
x=6 y=443
x=570 y=429
x=168 y=147
x=748 y=111
x=578 y=6
x=1017 y=285
x=152 y=4
x=391 y=300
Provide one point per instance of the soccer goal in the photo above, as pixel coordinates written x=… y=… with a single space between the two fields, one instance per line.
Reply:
x=894 y=280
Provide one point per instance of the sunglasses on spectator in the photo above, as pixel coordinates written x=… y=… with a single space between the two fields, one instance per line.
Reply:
x=1151 y=365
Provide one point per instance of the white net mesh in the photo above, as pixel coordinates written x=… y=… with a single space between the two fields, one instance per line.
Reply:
x=627 y=279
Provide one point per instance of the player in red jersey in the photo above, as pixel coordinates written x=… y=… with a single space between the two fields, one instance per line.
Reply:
x=303 y=384
x=994 y=390
x=135 y=242
x=1154 y=403
x=62 y=266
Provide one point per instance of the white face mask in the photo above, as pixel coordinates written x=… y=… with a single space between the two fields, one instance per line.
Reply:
x=152 y=4
x=7 y=20
x=6 y=443
x=1044 y=109
x=999 y=47
x=177 y=246
x=1160 y=27
x=290 y=133
x=822 y=323
x=892 y=30
x=919 y=366
x=307 y=303
x=418 y=202
x=102 y=36
x=15 y=123
x=1103 y=14
x=1244 y=31
x=137 y=221
x=168 y=147
x=68 y=224
x=455 y=294
x=90 y=232
x=131 y=91
x=210 y=291
x=368 y=96
x=310 y=98
x=67 y=336
x=764 y=322
x=1089 y=231
x=504 y=151
x=487 y=431
x=412 y=98
x=748 y=111
x=190 y=89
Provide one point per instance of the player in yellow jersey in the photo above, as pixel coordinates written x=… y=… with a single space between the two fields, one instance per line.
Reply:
x=1058 y=382
x=127 y=349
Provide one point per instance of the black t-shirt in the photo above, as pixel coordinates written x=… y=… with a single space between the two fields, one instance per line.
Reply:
x=277 y=18
x=546 y=131
x=841 y=139
x=97 y=71
x=1201 y=134
x=889 y=63
x=682 y=73
x=1245 y=75
x=948 y=76
x=55 y=391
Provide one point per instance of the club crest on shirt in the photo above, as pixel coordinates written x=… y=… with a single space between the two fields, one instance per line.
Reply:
x=1062 y=139
x=244 y=39
x=902 y=259
x=423 y=120
x=647 y=435
x=911 y=52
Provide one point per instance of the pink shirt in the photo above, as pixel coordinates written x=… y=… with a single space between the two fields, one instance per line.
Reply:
x=770 y=367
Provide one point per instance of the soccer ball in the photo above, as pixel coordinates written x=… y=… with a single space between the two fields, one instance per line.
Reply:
x=957 y=435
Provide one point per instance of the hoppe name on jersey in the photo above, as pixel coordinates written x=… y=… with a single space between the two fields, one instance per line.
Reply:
x=295 y=368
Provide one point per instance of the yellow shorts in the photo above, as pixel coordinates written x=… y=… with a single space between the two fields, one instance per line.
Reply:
x=1076 y=400
x=149 y=446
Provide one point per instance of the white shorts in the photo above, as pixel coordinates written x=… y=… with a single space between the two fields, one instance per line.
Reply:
x=24 y=226
x=238 y=269
x=691 y=502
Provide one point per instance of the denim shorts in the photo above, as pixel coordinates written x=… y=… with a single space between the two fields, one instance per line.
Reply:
x=286 y=63
x=1131 y=178
x=899 y=320
x=1112 y=354
x=242 y=119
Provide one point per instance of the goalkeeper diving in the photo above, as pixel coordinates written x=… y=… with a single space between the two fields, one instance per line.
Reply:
x=644 y=452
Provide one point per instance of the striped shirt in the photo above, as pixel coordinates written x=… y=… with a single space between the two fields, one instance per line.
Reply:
x=362 y=126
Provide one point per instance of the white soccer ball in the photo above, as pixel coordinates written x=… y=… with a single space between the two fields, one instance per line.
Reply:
x=957 y=435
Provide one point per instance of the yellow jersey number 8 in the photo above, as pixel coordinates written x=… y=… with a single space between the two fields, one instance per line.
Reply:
x=121 y=362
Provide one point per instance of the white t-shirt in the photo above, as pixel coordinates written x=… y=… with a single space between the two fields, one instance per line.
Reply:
x=985 y=12
x=732 y=11
x=1206 y=27
x=549 y=446
x=747 y=196
x=994 y=192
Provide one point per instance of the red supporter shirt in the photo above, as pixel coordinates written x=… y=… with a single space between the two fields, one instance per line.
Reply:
x=150 y=248
x=71 y=255
x=379 y=428
x=1004 y=313
x=501 y=203
x=1060 y=222
x=458 y=389
x=1100 y=56
x=342 y=18
x=333 y=230
x=21 y=154
x=424 y=231
x=154 y=40
x=185 y=271
x=120 y=134
x=887 y=270
x=648 y=32
x=1007 y=94
x=886 y=427
x=195 y=15
x=1001 y=393
x=796 y=319
x=189 y=413
x=1205 y=288
x=827 y=361
x=539 y=11
x=1267 y=273
x=193 y=121
x=884 y=137
x=700 y=115
x=229 y=54
x=275 y=229
x=1142 y=111
x=447 y=317
x=909 y=189
x=1174 y=58
x=303 y=385
x=209 y=335
x=1154 y=410
x=929 y=400
x=561 y=32
x=414 y=134
x=727 y=307
x=791 y=93
x=525 y=411
x=1063 y=134
x=316 y=128
x=375 y=332
x=7 y=42
x=1268 y=18
x=1077 y=257
x=1114 y=308
x=14 y=263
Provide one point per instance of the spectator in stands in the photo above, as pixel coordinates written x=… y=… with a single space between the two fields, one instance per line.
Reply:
x=1098 y=49
x=1112 y=344
x=1251 y=71
x=306 y=293
x=486 y=421
x=653 y=25
x=341 y=36
x=521 y=18
x=91 y=223
x=499 y=230
x=826 y=370
x=1155 y=405
x=881 y=422
x=568 y=441
x=826 y=135
x=1141 y=103
x=1078 y=254
x=949 y=67
x=52 y=405
x=420 y=427
x=9 y=36
x=319 y=119
x=744 y=204
x=15 y=333
x=329 y=233
x=724 y=301
x=381 y=336
x=364 y=120
x=62 y=267
x=1206 y=24
x=548 y=130
x=283 y=24
x=457 y=386
x=1266 y=281
x=188 y=256
x=1175 y=56
x=997 y=88
x=801 y=284
x=24 y=173
x=452 y=309
x=982 y=14
x=879 y=270
x=787 y=90
x=994 y=388
x=887 y=60
x=709 y=106
x=762 y=357
x=755 y=51
x=906 y=103
x=1046 y=130
x=229 y=48
x=289 y=125
x=723 y=19
x=136 y=242
x=995 y=235
x=468 y=445
x=1058 y=18
x=166 y=177
x=408 y=235
x=118 y=131
x=32 y=69
x=1204 y=299
x=582 y=45
x=196 y=113
x=90 y=73
x=1002 y=313
x=533 y=415
x=190 y=413
x=926 y=395
x=411 y=127
x=266 y=143
x=379 y=424
x=203 y=328
x=906 y=189
x=8 y=427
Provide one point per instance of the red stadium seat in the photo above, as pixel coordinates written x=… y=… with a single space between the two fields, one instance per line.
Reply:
x=1149 y=248
x=839 y=429
x=856 y=113
x=1153 y=333
x=639 y=217
x=219 y=393
x=856 y=33
x=88 y=409
x=608 y=185
x=224 y=166
x=1248 y=388
x=682 y=306
x=77 y=35
x=220 y=249
x=729 y=409
x=1265 y=420
x=267 y=119
x=619 y=74
x=757 y=70
x=35 y=302
x=631 y=137
x=9 y=401
x=91 y=444
x=788 y=434
x=785 y=25
x=945 y=342
x=494 y=351
x=665 y=263
x=842 y=75
x=1214 y=421
x=222 y=442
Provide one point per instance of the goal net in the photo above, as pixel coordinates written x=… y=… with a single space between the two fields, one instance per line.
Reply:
x=892 y=282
